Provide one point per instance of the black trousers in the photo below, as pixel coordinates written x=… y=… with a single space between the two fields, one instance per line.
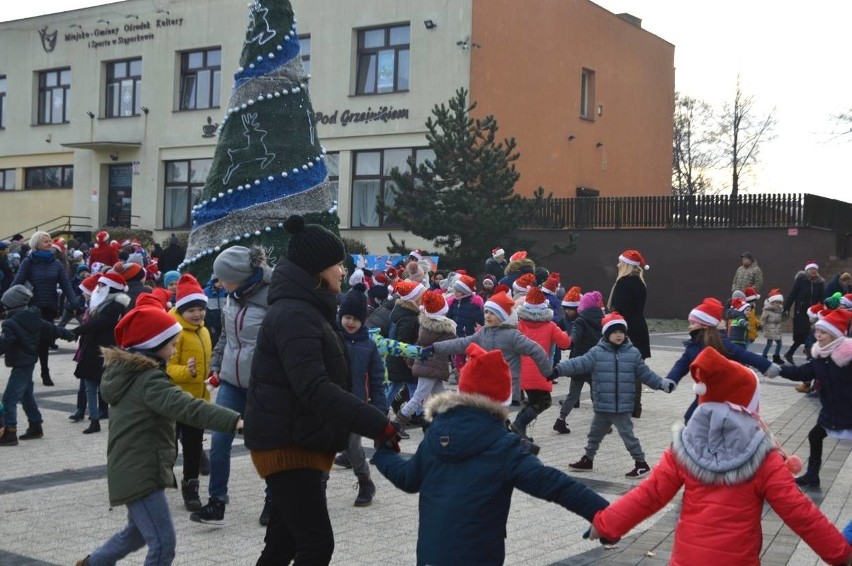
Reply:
x=815 y=438
x=299 y=528
x=49 y=315
x=190 y=438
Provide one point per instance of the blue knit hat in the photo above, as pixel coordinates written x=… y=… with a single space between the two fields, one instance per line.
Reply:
x=170 y=277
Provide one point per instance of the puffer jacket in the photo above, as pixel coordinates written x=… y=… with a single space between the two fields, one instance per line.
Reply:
x=23 y=329
x=511 y=343
x=367 y=367
x=771 y=319
x=804 y=293
x=467 y=313
x=834 y=373
x=97 y=332
x=144 y=406
x=299 y=407
x=193 y=342
x=404 y=327
x=538 y=327
x=433 y=330
x=465 y=469
x=728 y=466
x=614 y=372
x=585 y=334
x=738 y=327
x=242 y=314
x=43 y=275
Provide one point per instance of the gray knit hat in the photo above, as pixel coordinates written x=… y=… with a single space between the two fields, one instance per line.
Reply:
x=16 y=296
x=237 y=263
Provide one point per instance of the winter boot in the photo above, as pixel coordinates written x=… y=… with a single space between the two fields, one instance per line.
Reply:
x=811 y=477
x=366 y=491
x=189 y=488
x=776 y=359
x=33 y=431
x=94 y=426
x=561 y=427
x=789 y=357
x=400 y=421
x=10 y=437
x=83 y=562
x=639 y=470
x=584 y=464
x=212 y=514
x=45 y=379
x=522 y=420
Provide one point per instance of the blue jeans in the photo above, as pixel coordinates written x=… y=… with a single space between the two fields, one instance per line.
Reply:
x=148 y=522
x=19 y=389
x=92 y=399
x=769 y=347
x=233 y=398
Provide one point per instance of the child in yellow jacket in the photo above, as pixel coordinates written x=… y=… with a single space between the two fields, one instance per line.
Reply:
x=188 y=368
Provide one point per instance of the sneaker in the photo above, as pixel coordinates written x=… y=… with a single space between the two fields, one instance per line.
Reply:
x=265 y=513
x=561 y=427
x=583 y=465
x=640 y=469
x=343 y=461
x=211 y=514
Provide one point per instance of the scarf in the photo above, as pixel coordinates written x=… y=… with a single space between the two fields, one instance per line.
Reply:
x=43 y=255
x=818 y=351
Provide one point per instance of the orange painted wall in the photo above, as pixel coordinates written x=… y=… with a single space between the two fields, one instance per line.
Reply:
x=527 y=73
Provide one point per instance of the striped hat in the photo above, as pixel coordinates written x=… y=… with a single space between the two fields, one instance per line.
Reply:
x=612 y=319
x=501 y=305
x=572 y=298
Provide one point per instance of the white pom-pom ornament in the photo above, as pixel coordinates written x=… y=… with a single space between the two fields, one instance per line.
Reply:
x=699 y=389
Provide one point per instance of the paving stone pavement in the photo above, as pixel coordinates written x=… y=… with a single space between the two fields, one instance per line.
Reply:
x=54 y=507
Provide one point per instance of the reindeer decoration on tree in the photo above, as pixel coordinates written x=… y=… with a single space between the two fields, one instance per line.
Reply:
x=255 y=149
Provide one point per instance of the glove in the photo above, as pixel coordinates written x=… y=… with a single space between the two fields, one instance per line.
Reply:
x=668 y=385
x=774 y=370
x=389 y=438
x=593 y=534
x=426 y=352
x=553 y=375
x=67 y=335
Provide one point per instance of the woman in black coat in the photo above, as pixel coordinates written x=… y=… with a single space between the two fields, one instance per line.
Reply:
x=808 y=289
x=628 y=299
x=299 y=409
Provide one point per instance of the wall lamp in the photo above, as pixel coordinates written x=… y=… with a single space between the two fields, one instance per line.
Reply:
x=144 y=109
x=599 y=145
x=113 y=156
x=430 y=24
x=572 y=137
x=90 y=114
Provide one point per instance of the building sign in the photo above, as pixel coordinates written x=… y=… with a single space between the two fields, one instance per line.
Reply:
x=48 y=39
x=346 y=117
x=126 y=34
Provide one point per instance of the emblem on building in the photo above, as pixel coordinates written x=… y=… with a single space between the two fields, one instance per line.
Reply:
x=48 y=39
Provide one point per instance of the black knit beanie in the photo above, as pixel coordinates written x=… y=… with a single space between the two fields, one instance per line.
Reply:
x=354 y=303
x=312 y=247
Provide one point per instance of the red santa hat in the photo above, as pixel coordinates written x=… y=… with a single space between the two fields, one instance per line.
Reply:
x=612 y=319
x=487 y=374
x=846 y=301
x=380 y=279
x=392 y=273
x=113 y=280
x=708 y=313
x=775 y=296
x=572 y=297
x=497 y=252
x=501 y=305
x=740 y=304
x=816 y=311
x=720 y=380
x=89 y=284
x=465 y=285
x=523 y=283
x=836 y=322
x=146 y=328
x=751 y=294
x=158 y=297
x=408 y=290
x=189 y=290
x=535 y=301
x=416 y=254
x=102 y=238
x=811 y=264
x=517 y=256
x=433 y=304
x=501 y=288
x=130 y=271
x=59 y=244
x=152 y=272
x=551 y=284
x=633 y=257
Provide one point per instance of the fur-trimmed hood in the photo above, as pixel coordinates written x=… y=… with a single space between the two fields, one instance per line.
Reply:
x=722 y=444
x=804 y=275
x=442 y=325
x=525 y=265
x=537 y=315
x=842 y=354
x=463 y=426
x=449 y=400
x=121 y=369
x=410 y=305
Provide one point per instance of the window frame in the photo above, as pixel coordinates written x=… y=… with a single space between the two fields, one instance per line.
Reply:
x=189 y=185
x=587 y=94
x=215 y=79
x=5 y=174
x=305 y=58
x=362 y=51
x=136 y=81
x=383 y=179
x=43 y=89
x=63 y=169
x=3 y=91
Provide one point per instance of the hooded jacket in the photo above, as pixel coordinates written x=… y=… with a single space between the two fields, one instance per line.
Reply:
x=299 y=409
x=467 y=313
x=404 y=327
x=585 y=334
x=465 y=469
x=367 y=367
x=433 y=330
x=98 y=331
x=771 y=319
x=729 y=467
x=242 y=314
x=144 y=406
x=804 y=293
x=539 y=327
x=193 y=341
x=23 y=329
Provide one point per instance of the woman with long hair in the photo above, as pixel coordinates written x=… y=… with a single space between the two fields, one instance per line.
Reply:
x=628 y=297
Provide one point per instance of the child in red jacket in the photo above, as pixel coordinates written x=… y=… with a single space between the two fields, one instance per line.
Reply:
x=535 y=321
x=728 y=464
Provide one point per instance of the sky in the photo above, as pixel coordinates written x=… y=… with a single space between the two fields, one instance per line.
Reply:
x=791 y=57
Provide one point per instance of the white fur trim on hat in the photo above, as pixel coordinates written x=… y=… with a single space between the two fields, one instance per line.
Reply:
x=415 y=292
x=614 y=322
x=109 y=282
x=571 y=304
x=435 y=315
x=830 y=328
x=171 y=331
x=191 y=297
x=498 y=310
x=462 y=288
x=629 y=261
x=775 y=298
x=416 y=254
x=811 y=265
x=497 y=252
x=703 y=318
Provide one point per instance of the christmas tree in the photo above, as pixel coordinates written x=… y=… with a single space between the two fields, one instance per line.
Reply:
x=268 y=162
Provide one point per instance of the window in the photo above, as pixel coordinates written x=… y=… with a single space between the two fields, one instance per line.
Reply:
x=2 y=101
x=184 y=181
x=54 y=96
x=124 y=88
x=332 y=164
x=587 y=94
x=305 y=52
x=383 y=64
x=372 y=179
x=200 y=77
x=7 y=179
x=56 y=177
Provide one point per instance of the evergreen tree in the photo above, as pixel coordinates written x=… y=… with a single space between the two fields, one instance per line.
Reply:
x=464 y=199
x=268 y=162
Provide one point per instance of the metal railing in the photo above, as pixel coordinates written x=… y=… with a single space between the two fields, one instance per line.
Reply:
x=60 y=225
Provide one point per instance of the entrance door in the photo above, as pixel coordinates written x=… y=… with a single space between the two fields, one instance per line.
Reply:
x=120 y=195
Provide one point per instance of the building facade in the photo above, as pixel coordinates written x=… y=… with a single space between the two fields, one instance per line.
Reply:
x=109 y=113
